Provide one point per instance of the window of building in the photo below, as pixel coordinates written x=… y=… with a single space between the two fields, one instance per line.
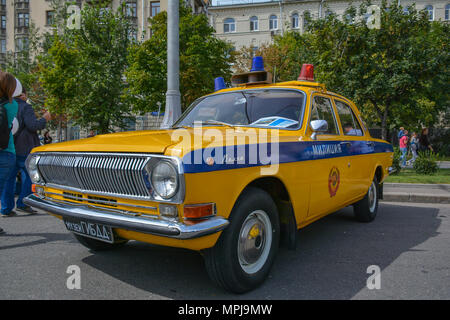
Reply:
x=23 y=19
x=323 y=110
x=3 y=22
x=3 y=45
x=447 y=12
x=273 y=22
x=295 y=21
x=21 y=44
x=3 y=3
x=132 y=35
x=430 y=11
x=155 y=8
x=50 y=17
x=306 y=19
x=229 y=25
x=254 y=23
x=131 y=9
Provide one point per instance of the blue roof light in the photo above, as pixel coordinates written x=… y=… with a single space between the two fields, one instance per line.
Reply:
x=219 y=84
x=257 y=64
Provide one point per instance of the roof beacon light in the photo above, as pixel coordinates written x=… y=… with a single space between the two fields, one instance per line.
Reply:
x=219 y=84
x=257 y=64
x=257 y=75
x=307 y=72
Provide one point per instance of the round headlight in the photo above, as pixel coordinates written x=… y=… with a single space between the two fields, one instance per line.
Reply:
x=33 y=169
x=164 y=179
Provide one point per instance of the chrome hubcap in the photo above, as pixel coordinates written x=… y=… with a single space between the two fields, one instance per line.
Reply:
x=255 y=240
x=372 y=197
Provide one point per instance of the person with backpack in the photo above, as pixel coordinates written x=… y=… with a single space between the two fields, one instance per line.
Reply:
x=25 y=139
x=8 y=112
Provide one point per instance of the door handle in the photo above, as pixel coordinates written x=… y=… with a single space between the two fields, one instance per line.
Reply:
x=370 y=143
x=346 y=143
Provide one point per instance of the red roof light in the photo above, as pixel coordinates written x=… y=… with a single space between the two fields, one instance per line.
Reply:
x=307 y=72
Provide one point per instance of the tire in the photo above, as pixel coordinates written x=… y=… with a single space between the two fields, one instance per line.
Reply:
x=97 y=245
x=366 y=209
x=242 y=257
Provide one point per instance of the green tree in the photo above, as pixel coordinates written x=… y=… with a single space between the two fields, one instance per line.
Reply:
x=102 y=45
x=23 y=64
x=202 y=58
x=397 y=75
x=58 y=71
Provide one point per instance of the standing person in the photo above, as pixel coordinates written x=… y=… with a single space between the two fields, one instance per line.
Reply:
x=8 y=85
x=401 y=133
x=404 y=147
x=25 y=140
x=47 y=138
x=424 y=142
x=414 y=147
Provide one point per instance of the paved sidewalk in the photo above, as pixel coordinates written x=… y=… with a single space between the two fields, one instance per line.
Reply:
x=415 y=192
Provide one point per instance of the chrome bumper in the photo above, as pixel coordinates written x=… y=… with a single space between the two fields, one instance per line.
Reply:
x=116 y=219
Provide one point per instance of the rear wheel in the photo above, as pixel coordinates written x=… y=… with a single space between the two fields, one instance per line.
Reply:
x=97 y=245
x=244 y=253
x=366 y=209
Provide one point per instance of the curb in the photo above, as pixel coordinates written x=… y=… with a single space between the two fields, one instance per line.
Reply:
x=417 y=185
x=416 y=192
x=415 y=197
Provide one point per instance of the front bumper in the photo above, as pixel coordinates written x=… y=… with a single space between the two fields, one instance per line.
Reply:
x=120 y=220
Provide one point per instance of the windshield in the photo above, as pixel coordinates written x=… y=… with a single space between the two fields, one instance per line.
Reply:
x=267 y=107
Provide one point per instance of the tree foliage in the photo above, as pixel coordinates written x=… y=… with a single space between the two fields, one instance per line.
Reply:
x=397 y=75
x=202 y=58
x=84 y=69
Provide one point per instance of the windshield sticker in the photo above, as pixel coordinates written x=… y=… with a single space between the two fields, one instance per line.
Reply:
x=278 y=122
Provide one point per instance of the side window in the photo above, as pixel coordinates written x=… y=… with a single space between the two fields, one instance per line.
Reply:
x=323 y=110
x=350 y=124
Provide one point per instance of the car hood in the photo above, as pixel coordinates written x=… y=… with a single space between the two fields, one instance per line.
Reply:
x=175 y=142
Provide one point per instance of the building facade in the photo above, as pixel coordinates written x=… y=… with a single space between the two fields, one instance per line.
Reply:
x=252 y=23
x=18 y=15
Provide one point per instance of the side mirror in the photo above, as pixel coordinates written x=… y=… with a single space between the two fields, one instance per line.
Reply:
x=318 y=126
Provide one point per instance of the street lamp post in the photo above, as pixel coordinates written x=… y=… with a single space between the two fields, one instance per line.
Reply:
x=173 y=101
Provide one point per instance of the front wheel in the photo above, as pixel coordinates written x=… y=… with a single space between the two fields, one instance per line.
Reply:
x=244 y=254
x=366 y=209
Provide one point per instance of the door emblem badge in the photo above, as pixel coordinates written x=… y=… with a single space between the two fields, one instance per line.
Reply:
x=333 y=181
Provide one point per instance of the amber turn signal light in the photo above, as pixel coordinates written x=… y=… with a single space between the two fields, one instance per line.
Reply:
x=33 y=188
x=199 y=211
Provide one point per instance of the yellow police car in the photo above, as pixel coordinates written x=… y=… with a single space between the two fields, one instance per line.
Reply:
x=237 y=175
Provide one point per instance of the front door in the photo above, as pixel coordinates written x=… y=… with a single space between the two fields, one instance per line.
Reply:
x=329 y=174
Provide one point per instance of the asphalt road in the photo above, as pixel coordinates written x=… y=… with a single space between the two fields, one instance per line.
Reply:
x=409 y=243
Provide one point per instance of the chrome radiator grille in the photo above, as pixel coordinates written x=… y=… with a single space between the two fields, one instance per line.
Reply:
x=114 y=174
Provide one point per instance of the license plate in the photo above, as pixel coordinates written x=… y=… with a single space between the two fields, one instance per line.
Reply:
x=90 y=229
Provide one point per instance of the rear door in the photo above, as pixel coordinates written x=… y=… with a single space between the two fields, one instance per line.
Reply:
x=357 y=147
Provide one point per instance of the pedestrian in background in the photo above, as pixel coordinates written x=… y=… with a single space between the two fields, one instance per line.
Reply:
x=8 y=85
x=25 y=140
x=404 y=147
x=47 y=138
x=424 y=142
x=414 y=147
x=401 y=132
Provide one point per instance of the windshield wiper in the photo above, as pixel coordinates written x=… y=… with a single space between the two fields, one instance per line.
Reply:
x=217 y=122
